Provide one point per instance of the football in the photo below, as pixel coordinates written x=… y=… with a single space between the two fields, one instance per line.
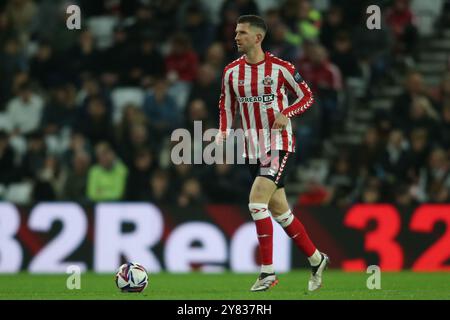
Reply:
x=131 y=277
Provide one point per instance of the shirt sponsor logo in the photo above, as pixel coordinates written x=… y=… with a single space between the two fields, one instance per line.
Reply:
x=266 y=98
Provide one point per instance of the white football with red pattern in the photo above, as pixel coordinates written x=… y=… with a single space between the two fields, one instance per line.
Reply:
x=131 y=277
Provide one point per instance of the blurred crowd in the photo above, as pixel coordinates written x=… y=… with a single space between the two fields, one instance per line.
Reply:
x=86 y=115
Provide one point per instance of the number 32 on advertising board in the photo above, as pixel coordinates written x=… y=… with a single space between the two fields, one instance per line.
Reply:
x=382 y=239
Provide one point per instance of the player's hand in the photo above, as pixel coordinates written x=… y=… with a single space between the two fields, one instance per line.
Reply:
x=280 y=122
x=221 y=136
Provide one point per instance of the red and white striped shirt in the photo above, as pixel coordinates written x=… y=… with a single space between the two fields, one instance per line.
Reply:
x=259 y=91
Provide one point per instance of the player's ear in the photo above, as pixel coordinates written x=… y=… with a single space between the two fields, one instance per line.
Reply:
x=260 y=37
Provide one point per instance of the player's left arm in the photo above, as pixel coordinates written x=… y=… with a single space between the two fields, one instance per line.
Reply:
x=298 y=86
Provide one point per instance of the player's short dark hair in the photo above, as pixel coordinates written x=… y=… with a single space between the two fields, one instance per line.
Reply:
x=254 y=21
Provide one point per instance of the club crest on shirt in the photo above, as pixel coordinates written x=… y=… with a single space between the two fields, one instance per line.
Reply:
x=241 y=82
x=268 y=81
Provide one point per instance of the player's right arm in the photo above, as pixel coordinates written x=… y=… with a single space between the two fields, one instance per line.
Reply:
x=227 y=106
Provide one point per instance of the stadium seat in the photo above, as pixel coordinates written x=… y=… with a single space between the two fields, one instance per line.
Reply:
x=427 y=12
x=102 y=28
x=19 y=193
x=123 y=96
x=5 y=124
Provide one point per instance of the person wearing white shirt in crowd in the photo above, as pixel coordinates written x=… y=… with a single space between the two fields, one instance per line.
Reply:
x=24 y=112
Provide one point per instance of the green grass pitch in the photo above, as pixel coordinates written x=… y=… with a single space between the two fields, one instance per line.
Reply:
x=197 y=286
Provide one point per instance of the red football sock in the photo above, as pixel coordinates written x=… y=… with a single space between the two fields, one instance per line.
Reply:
x=297 y=232
x=264 y=229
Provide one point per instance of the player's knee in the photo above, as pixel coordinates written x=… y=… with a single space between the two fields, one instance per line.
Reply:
x=273 y=208
x=277 y=207
x=258 y=210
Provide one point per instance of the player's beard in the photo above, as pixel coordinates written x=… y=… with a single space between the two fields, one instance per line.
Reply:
x=241 y=49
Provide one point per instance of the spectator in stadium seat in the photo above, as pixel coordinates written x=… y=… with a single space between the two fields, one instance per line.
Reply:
x=369 y=152
x=75 y=184
x=277 y=45
x=160 y=188
x=441 y=94
x=191 y=194
x=370 y=195
x=12 y=62
x=35 y=156
x=132 y=115
x=145 y=23
x=370 y=191
x=180 y=173
x=92 y=89
x=96 y=126
x=215 y=58
x=274 y=41
x=226 y=30
x=317 y=70
x=272 y=17
x=343 y=56
x=222 y=184
x=198 y=28
x=413 y=87
x=138 y=186
x=5 y=28
x=444 y=134
x=394 y=157
x=77 y=144
x=21 y=14
x=439 y=193
x=61 y=111
x=403 y=197
x=106 y=179
x=84 y=57
x=47 y=24
x=207 y=88
x=45 y=67
x=147 y=63
x=401 y=20
x=383 y=124
x=161 y=110
x=49 y=181
x=8 y=173
x=116 y=59
x=355 y=10
x=444 y=20
x=182 y=68
x=243 y=6
x=305 y=24
x=24 y=112
x=418 y=152
x=315 y=193
x=181 y=61
x=423 y=115
x=138 y=138
x=325 y=81
x=373 y=48
x=435 y=174
x=333 y=25
x=341 y=179
x=197 y=111
x=166 y=16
